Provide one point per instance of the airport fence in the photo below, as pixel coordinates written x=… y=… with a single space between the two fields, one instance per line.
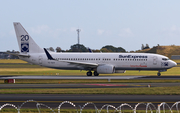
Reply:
x=148 y=107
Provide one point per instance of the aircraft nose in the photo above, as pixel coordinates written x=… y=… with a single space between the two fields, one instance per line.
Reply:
x=173 y=64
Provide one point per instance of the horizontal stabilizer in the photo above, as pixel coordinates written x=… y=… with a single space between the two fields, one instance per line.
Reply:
x=18 y=54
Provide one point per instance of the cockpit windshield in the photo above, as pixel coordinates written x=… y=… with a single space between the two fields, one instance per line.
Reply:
x=165 y=59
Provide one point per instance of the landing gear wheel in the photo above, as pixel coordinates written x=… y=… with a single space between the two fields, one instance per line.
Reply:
x=89 y=73
x=158 y=74
x=95 y=73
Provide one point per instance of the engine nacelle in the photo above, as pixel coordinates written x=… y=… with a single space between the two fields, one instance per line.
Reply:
x=120 y=71
x=105 y=69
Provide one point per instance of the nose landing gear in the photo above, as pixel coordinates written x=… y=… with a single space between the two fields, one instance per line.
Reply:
x=159 y=72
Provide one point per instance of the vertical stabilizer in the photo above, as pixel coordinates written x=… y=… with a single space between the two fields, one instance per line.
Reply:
x=25 y=42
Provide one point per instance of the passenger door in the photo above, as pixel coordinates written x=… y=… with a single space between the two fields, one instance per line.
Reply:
x=40 y=60
x=155 y=60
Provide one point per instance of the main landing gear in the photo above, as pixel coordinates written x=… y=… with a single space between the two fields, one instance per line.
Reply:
x=158 y=74
x=95 y=73
x=89 y=73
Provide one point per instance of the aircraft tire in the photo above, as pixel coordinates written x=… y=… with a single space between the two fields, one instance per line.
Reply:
x=89 y=73
x=158 y=74
x=95 y=73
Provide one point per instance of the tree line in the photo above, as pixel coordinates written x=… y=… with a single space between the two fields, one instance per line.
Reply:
x=76 y=48
x=82 y=48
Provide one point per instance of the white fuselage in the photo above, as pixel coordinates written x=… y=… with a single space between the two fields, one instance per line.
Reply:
x=121 y=61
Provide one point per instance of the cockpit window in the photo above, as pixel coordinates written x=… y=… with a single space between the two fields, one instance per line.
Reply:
x=165 y=59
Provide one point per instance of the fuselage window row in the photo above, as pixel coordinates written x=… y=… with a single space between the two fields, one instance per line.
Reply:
x=130 y=59
x=77 y=59
x=104 y=59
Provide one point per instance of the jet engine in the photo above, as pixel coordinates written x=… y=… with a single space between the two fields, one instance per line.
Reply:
x=105 y=69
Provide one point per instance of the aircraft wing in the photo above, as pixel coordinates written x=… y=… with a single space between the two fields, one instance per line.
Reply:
x=17 y=54
x=82 y=64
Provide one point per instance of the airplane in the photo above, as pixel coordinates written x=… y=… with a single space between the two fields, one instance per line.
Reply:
x=100 y=63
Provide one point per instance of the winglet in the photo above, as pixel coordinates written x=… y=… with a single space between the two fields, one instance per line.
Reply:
x=48 y=55
x=90 y=50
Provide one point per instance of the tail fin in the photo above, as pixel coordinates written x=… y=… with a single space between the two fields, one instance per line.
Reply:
x=25 y=42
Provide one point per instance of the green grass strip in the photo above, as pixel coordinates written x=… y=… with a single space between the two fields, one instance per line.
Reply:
x=117 y=91
x=12 y=61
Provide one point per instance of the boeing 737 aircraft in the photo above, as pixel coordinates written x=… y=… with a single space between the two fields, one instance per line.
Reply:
x=100 y=63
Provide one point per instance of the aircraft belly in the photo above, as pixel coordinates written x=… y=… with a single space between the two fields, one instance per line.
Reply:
x=64 y=65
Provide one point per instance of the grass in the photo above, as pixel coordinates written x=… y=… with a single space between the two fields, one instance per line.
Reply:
x=117 y=91
x=12 y=61
x=163 y=50
x=48 y=111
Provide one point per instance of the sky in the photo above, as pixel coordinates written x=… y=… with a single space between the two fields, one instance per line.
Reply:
x=121 y=23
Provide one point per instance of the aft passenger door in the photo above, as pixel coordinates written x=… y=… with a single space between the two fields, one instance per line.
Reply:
x=40 y=60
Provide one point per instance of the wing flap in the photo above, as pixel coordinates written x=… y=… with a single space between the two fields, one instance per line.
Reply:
x=84 y=64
